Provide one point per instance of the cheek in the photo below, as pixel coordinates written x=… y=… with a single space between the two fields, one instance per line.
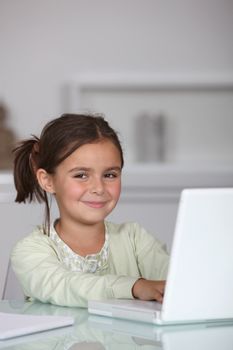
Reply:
x=115 y=190
x=77 y=191
x=70 y=190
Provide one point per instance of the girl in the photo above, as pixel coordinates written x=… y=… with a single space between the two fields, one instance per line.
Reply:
x=78 y=159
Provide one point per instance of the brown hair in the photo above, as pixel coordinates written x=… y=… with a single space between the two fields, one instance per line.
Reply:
x=59 y=138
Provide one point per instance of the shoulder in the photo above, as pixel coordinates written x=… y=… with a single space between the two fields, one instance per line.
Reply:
x=132 y=231
x=35 y=240
x=123 y=229
x=126 y=228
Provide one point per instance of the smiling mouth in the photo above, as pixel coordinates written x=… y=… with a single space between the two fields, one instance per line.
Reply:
x=95 y=204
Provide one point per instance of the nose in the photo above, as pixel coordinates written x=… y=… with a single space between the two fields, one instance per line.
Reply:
x=97 y=186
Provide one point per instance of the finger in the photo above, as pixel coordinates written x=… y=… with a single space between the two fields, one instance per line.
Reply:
x=161 y=288
x=158 y=297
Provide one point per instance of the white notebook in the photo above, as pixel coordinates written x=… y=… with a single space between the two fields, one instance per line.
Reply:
x=14 y=325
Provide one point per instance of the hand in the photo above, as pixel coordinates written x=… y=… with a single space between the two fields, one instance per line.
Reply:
x=149 y=290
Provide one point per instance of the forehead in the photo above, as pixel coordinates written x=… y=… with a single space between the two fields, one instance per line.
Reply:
x=104 y=151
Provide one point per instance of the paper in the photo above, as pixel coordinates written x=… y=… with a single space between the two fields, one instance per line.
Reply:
x=14 y=325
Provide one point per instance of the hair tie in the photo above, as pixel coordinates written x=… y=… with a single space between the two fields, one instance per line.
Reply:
x=34 y=155
x=35 y=148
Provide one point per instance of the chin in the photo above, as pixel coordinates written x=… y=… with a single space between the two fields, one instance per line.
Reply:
x=95 y=219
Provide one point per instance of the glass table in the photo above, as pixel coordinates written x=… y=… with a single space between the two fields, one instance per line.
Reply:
x=97 y=332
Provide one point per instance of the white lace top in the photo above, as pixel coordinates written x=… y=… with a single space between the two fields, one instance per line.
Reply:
x=90 y=263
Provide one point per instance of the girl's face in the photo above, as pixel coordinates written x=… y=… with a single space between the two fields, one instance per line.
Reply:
x=87 y=184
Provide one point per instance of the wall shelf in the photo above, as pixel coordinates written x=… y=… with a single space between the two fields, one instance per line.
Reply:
x=188 y=103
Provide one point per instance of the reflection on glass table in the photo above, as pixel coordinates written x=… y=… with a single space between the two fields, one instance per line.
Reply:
x=97 y=332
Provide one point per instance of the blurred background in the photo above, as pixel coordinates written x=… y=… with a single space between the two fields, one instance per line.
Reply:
x=166 y=65
x=160 y=71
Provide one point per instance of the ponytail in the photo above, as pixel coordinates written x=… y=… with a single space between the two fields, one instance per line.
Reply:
x=25 y=166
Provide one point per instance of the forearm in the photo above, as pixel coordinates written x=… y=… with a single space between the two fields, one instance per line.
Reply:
x=48 y=280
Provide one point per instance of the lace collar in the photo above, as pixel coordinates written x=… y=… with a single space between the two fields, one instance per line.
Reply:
x=88 y=264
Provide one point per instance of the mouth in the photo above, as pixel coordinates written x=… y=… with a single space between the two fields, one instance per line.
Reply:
x=96 y=205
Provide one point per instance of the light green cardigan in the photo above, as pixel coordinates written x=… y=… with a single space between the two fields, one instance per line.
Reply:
x=133 y=253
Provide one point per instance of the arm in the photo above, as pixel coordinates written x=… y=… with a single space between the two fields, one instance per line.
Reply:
x=45 y=278
x=153 y=262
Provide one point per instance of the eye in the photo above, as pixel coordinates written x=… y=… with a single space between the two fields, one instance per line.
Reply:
x=111 y=175
x=81 y=176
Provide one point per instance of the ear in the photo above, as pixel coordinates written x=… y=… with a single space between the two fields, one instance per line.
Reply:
x=45 y=180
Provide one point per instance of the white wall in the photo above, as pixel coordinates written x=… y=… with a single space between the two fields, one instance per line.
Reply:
x=46 y=43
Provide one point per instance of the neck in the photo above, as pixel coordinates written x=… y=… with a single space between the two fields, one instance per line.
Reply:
x=82 y=239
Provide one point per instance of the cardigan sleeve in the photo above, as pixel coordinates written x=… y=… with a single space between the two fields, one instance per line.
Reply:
x=151 y=255
x=44 y=277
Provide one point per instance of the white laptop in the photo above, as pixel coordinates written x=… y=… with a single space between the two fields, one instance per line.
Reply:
x=199 y=284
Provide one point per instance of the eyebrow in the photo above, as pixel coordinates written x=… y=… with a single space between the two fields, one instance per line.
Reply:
x=116 y=168
x=79 y=169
